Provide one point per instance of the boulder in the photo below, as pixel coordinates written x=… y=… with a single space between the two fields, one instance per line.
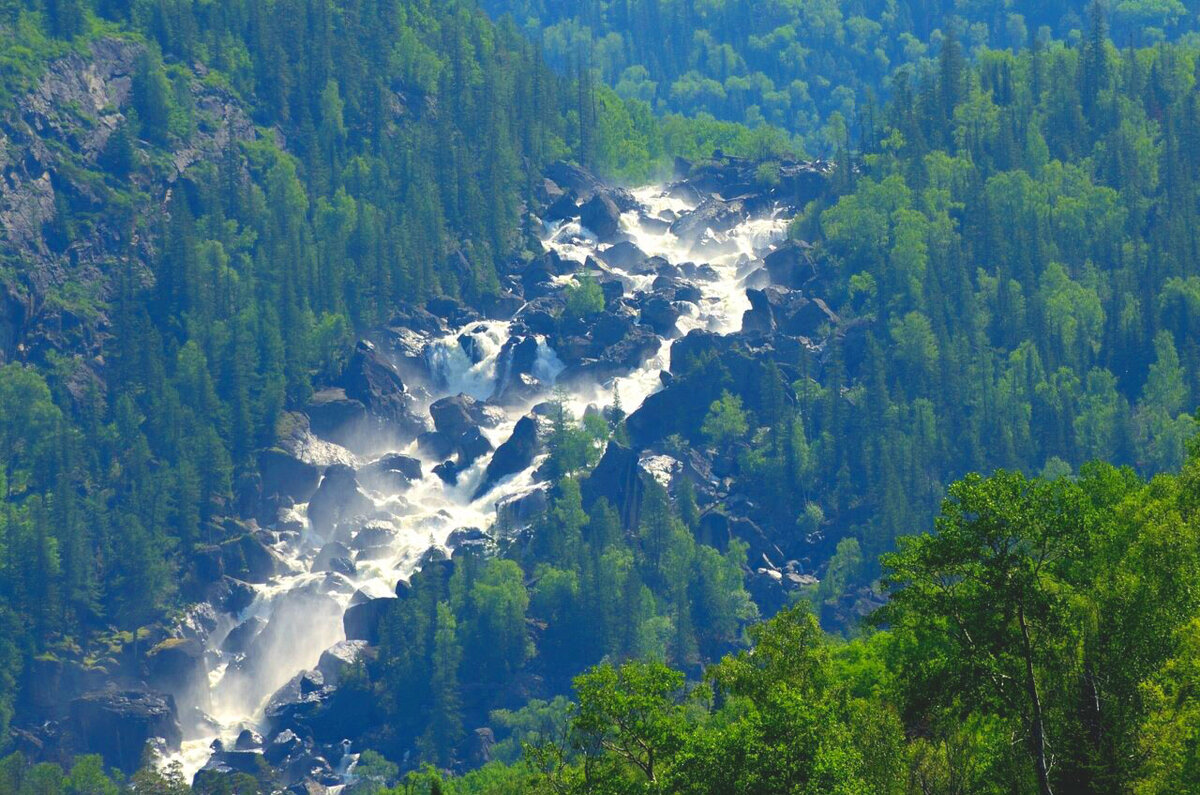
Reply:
x=459 y=419
x=248 y=558
x=374 y=535
x=361 y=621
x=336 y=557
x=230 y=595
x=248 y=740
x=518 y=358
x=479 y=747
x=448 y=471
x=467 y=535
x=337 y=498
x=660 y=314
x=176 y=666
x=392 y=473
x=240 y=637
x=283 y=745
x=624 y=255
x=368 y=408
x=338 y=658
x=515 y=455
x=297 y=700
x=435 y=445
x=713 y=215
x=601 y=216
x=371 y=380
x=759 y=317
x=563 y=208
x=117 y=724
x=790 y=265
x=285 y=475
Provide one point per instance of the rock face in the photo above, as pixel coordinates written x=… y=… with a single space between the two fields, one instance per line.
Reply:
x=177 y=666
x=117 y=724
x=519 y=510
x=513 y=456
x=617 y=478
x=50 y=143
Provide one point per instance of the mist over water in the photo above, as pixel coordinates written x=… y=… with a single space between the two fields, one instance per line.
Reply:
x=302 y=610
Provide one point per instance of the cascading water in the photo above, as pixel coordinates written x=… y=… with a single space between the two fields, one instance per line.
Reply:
x=301 y=611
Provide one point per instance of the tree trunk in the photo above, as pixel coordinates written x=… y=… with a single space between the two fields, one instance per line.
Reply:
x=1038 y=729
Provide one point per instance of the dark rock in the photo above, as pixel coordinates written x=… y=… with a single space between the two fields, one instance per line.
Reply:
x=176 y=666
x=601 y=216
x=337 y=417
x=435 y=445
x=391 y=473
x=469 y=343
x=760 y=316
x=624 y=255
x=369 y=408
x=479 y=747
x=337 y=498
x=570 y=177
x=230 y=595
x=564 y=207
x=459 y=418
x=767 y=589
x=296 y=701
x=248 y=740
x=249 y=559
x=240 y=637
x=790 y=265
x=335 y=557
x=514 y=368
x=617 y=479
x=374 y=535
x=361 y=621
x=472 y=445
x=659 y=314
x=451 y=310
x=284 y=474
x=466 y=535
x=713 y=215
x=117 y=724
x=515 y=455
x=610 y=328
x=284 y=744
x=448 y=472
x=519 y=510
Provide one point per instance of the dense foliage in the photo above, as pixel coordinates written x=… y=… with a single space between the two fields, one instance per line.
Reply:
x=1011 y=240
x=813 y=68
x=1044 y=639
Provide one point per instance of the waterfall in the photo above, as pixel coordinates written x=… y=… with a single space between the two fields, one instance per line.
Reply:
x=301 y=610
